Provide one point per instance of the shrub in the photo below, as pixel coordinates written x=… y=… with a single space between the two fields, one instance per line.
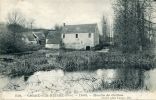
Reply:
x=98 y=47
x=89 y=60
x=25 y=64
x=11 y=43
x=73 y=61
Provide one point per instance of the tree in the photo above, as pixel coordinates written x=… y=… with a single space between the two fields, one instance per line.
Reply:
x=130 y=24
x=58 y=28
x=16 y=22
x=104 y=27
x=10 y=45
x=11 y=41
x=104 y=37
x=31 y=23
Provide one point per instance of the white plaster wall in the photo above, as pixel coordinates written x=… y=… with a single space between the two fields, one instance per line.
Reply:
x=83 y=40
x=52 y=46
x=47 y=40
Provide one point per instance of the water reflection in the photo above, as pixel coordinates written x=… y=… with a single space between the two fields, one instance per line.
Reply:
x=128 y=79
x=101 y=79
x=150 y=80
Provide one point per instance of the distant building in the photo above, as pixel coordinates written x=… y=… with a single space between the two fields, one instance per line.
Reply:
x=53 y=40
x=29 y=38
x=83 y=36
x=40 y=37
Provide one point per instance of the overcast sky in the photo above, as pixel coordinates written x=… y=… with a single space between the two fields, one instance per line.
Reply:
x=47 y=13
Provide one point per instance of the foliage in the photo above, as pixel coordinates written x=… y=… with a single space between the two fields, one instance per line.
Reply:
x=16 y=17
x=11 y=42
x=16 y=22
x=16 y=28
x=45 y=33
x=58 y=28
x=83 y=60
x=26 y=64
x=103 y=38
x=104 y=28
x=130 y=24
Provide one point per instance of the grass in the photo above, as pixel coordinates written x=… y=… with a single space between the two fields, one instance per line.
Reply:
x=90 y=60
x=27 y=64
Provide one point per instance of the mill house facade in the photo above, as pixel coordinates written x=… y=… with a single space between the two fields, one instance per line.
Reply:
x=82 y=36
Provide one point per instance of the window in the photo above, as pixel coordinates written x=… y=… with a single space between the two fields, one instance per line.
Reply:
x=89 y=35
x=63 y=35
x=76 y=35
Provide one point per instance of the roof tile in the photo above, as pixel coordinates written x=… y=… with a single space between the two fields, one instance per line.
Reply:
x=81 y=28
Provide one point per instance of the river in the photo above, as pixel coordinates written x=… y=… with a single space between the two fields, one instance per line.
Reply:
x=85 y=81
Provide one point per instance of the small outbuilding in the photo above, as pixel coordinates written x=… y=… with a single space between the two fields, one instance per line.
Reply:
x=40 y=37
x=29 y=38
x=53 y=40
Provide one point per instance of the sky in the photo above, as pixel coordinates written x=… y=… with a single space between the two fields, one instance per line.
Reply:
x=47 y=13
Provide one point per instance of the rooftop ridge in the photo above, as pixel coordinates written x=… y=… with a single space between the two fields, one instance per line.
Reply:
x=80 y=24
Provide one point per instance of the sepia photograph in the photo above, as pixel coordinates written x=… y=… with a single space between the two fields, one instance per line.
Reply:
x=77 y=49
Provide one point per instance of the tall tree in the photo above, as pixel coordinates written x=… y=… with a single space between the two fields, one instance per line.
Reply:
x=105 y=30
x=58 y=28
x=104 y=27
x=11 y=41
x=16 y=22
x=130 y=24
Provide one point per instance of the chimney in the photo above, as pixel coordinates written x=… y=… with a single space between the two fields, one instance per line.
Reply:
x=64 y=24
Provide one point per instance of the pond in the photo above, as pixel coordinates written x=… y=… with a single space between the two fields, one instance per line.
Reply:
x=85 y=81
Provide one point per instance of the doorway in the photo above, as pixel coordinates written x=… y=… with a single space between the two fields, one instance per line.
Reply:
x=87 y=47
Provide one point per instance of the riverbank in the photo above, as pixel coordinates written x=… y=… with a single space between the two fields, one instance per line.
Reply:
x=90 y=60
x=27 y=64
x=59 y=81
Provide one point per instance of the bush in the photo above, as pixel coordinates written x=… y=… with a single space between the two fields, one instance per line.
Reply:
x=11 y=43
x=27 y=64
x=98 y=47
x=89 y=60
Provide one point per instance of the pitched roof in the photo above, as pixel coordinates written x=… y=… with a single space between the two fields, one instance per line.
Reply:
x=53 y=37
x=40 y=35
x=29 y=35
x=81 y=28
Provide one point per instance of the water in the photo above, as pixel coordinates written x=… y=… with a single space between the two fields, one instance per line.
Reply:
x=150 y=80
x=84 y=81
x=7 y=83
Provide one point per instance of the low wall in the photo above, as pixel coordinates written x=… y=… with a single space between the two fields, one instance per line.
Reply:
x=52 y=46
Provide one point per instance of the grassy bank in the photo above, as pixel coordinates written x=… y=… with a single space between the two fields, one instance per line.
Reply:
x=24 y=64
x=27 y=64
x=90 y=60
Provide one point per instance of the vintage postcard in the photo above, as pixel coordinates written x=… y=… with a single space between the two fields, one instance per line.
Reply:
x=78 y=49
